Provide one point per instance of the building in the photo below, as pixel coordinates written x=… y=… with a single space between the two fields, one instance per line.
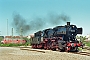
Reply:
x=88 y=37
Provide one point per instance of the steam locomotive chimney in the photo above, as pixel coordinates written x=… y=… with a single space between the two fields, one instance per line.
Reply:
x=68 y=23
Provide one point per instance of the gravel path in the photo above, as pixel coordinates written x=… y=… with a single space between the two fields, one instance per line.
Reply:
x=11 y=53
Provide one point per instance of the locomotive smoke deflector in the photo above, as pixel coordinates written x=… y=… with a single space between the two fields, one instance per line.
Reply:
x=79 y=31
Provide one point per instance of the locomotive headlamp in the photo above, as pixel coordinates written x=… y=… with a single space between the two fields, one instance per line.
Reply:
x=73 y=26
x=70 y=41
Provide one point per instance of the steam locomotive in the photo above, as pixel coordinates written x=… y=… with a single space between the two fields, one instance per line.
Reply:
x=61 y=38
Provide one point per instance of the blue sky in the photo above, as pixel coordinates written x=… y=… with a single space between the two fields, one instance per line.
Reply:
x=77 y=10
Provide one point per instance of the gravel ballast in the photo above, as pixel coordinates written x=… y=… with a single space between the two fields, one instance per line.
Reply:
x=11 y=53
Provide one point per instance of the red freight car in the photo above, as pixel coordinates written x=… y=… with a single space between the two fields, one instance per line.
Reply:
x=15 y=40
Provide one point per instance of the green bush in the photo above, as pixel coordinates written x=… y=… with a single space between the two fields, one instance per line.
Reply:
x=88 y=44
x=27 y=44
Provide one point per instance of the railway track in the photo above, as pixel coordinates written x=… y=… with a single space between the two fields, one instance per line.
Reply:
x=38 y=50
x=88 y=48
x=82 y=53
x=30 y=49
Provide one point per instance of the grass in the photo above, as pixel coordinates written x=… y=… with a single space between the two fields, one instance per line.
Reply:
x=10 y=45
x=14 y=45
x=87 y=43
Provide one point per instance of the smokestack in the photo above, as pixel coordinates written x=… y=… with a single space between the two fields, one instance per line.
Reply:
x=68 y=23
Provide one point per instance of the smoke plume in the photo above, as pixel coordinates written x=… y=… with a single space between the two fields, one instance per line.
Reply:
x=38 y=23
x=20 y=24
x=55 y=19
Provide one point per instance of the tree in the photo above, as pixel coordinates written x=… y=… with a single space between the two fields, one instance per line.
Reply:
x=28 y=41
x=1 y=38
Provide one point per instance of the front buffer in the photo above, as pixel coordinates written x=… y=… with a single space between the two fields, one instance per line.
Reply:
x=70 y=46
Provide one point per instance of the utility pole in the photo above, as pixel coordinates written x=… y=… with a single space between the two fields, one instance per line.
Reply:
x=12 y=32
x=0 y=32
x=21 y=31
x=7 y=27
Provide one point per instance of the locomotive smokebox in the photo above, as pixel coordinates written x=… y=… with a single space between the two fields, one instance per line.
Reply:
x=68 y=23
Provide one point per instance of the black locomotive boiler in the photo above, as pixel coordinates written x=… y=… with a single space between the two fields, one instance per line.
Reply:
x=62 y=38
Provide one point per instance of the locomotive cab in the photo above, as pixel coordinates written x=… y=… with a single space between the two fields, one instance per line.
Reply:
x=38 y=38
